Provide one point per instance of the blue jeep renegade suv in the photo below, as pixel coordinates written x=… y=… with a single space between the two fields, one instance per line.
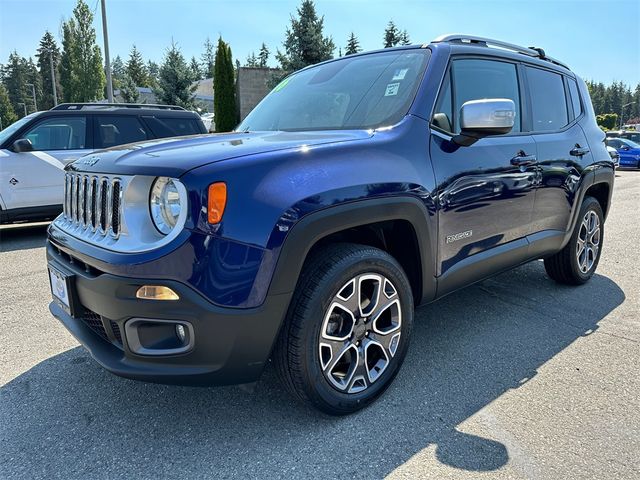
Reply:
x=356 y=190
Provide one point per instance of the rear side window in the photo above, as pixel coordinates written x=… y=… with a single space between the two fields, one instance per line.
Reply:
x=475 y=79
x=117 y=130
x=173 y=127
x=64 y=133
x=575 y=98
x=548 y=101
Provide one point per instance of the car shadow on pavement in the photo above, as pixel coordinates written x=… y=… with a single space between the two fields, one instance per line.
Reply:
x=68 y=418
x=23 y=237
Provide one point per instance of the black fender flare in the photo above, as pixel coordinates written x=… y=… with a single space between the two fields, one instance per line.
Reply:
x=317 y=225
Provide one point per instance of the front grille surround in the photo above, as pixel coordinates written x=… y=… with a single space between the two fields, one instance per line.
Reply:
x=90 y=205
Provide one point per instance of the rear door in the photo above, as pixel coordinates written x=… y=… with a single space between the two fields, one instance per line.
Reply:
x=563 y=151
x=37 y=177
x=485 y=191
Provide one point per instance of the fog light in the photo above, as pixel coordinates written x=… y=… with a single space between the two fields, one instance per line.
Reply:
x=154 y=292
x=181 y=332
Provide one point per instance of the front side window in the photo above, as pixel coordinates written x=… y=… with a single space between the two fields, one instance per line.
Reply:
x=475 y=79
x=548 y=102
x=64 y=133
x=114 y=130
x=367 y=91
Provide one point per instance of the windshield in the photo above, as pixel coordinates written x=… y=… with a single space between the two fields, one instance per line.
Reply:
x=367 y=91
x=11 y=129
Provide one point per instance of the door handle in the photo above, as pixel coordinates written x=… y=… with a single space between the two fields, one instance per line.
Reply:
x=578 y=151
x=522 y=159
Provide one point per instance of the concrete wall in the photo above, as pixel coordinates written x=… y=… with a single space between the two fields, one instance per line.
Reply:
x=253 y=84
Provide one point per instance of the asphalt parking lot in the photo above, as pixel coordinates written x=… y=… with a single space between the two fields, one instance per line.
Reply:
x=515 y=377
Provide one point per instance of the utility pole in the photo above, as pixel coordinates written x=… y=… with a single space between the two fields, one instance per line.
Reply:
x=106 y=52
x=622 y=113
x=33 y=90
x=53 y=79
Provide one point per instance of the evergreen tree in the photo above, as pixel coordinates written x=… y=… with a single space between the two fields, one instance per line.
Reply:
x=353 y=45
x=82 y=74
x=391 y=35
x=305 y=43
x=128 y=90
x=7 y=114
x=48 y=51
x=208 y=59
x=17 y=73
x=118 y=72
x=224 y=98
x=252 y=60
x=195 y=69
x=136 y=68
x=263 y=56
x=404 y=38
x=154 y=73
x=174 y=83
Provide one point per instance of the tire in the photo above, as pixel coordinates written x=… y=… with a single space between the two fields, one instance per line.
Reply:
x=334 y=352
x=576 y=263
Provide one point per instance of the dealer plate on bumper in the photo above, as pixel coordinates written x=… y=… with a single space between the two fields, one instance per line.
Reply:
x=60 y=289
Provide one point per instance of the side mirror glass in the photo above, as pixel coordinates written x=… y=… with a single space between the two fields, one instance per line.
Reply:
x=22 y=145
x=480 y=118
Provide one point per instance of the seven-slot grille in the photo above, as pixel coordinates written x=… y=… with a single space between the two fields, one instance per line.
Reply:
x=93 y=202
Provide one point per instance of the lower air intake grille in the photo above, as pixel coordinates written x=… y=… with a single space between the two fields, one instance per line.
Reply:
x=94 y=322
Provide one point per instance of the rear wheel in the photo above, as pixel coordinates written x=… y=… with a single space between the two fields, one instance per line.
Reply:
x=577 y=261
x=347 y=330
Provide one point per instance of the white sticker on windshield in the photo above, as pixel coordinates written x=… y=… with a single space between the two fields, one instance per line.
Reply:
x=400 y=74
x=392 y=89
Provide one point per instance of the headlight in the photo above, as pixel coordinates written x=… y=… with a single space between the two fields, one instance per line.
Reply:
x=165 y=204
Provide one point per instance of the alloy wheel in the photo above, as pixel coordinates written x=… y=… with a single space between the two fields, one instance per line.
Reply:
x=360 y=332
x=588 y=242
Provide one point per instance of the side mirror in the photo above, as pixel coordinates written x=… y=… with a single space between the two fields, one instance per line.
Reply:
x=22 y=145
x=481 y=118
x=626 y=147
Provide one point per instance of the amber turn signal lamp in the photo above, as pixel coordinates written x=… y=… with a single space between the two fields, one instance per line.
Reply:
x=217 y=200
x=155 y=292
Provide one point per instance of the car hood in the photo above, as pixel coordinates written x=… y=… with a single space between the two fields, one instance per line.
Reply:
x=172 y=157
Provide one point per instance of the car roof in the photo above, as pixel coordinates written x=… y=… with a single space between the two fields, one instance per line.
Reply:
x=119 y=109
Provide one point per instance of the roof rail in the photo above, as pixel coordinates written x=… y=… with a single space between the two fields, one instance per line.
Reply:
x=488 y=42
x=111 y=106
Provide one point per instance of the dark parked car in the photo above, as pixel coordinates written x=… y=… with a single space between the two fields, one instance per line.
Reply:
x=35 y=149
x=356 y=190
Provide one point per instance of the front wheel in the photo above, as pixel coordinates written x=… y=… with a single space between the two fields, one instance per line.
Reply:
x=576 y=263
x=347 y=330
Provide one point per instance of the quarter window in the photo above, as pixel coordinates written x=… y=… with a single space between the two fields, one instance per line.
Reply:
x=548 y=101
x=59 y=134
x=575 y=98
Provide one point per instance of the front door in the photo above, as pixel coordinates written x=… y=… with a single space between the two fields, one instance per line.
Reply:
x=32 y=179
x=486 y=190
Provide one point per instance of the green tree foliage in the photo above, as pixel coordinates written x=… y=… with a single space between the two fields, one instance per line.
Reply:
x=608 y=99
x=17 y=73
x=252 y=61
x=128 y=90
x=7 y=114
x=392 y=35
x=353 y=45
x=224 y=98
x=82 y=74
x=607 y=121
x=263 y=56
x=196 y=71
x=175 y=86
x=136 y=68
x=154 y=73
x=208 y=59
x=304 y=42
x=118 y=72
x=404 y=38
x=48 y=50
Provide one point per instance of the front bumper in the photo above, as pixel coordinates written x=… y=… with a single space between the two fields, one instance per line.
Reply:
x=229 y=345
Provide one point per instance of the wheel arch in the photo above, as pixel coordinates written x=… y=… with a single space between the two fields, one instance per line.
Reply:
x=381 y=222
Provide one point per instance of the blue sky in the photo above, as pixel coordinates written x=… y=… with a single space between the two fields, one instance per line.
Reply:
x=599 y=39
